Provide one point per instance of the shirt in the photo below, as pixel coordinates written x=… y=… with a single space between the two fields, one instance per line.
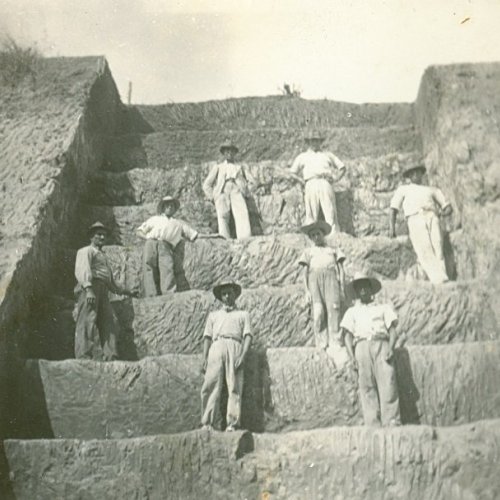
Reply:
x=415 y=198
x=161 y=227
x=92 y=263
x=221 y=174
x=316 y=164
x=321 y=257
x=222 y=323
x=369 y=321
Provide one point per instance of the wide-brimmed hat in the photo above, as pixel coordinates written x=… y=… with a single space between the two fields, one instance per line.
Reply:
x=314 y=135
x=323 y=226
x=361 y=276
x=96 y=226
x=218 y=288
x=169 y=199
x=228 y=145
x=411 y=168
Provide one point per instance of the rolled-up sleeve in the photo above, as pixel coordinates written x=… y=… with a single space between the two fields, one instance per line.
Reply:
x=297 y=164
x=188 y=232
x=340 y=255
x=390 y=317
x=336 y=161
x=397 y=199
x=305 y=258
x=439 y=197
x=347 y=322
x=247 y=329
x=144 y=228
x=83 y=267
x=209 y=327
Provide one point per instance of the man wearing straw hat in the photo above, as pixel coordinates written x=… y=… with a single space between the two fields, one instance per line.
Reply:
x=96 y=325
x=324 y=283
x=369 y=330
x=226 y=185
x=163 y=247
x=226 y=342
x=422 y=206
x=319 y=170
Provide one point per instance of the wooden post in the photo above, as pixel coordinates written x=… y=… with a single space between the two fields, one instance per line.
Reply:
x=129 y=93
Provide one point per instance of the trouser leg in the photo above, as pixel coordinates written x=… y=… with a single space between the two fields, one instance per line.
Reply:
x=86 y=332
x=332 y=303
x=234 y=381
x=367 y=384
x=240 y=215
x=107 y=325
x=212 y=384
x=320 y=326
x=166 y=267
x=311 y=202
x=385 y=375
x=328 y=204
x=223 y=209
x=150 y=273
x=423 y=228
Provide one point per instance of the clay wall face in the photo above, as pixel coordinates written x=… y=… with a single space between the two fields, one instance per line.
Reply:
x=458 y=115
x=53 y=136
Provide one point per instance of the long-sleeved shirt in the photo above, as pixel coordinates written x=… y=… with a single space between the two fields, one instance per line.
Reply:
x=316 y=257
x=234 y=324
x=369 y=321
x=91 y=264
x=161 y=227
x=415 y=198
x=221 y=174
x=316 y=164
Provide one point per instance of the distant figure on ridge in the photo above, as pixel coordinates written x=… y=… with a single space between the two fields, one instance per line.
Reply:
x=96 y=325
x=369 y=331
x=422 y=206
x=163 y=248
x=324 y=284
x=226 y=185
x=226 y=342
x=319 y=170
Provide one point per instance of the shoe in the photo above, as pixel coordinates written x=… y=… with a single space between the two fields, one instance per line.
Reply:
x=206 y=427
x=230 y=428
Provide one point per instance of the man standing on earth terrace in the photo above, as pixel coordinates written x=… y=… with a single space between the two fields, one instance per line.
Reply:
x=226 y=341
x=96 y=325
x=319 y=169
x=422 y=206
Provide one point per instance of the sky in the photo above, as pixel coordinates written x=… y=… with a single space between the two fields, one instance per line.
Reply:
x=196 y=50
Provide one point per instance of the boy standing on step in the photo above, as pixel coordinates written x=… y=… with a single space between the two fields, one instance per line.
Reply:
x=324 y=284
x=163 y=249
x=369 y=330
x=319 y=169
x=226 y=185
x=421 y=205
x=96 y=324
x=226 y=342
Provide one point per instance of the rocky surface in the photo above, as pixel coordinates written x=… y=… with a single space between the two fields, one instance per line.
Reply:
x=415 y=462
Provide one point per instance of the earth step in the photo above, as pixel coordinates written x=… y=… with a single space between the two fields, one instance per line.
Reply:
x=456 y=312
x=273 y=111
x=174 y=323
x=257 y=261
x=410 y=462
x=285 y=389
x=184 y=147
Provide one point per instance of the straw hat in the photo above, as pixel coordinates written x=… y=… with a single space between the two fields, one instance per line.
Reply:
x=96 y=226
x=314 y=135
x=323 y=226
x=374 y=282
x=169 y=199
x=411 y=168
x=218 y=288
x=228 y=145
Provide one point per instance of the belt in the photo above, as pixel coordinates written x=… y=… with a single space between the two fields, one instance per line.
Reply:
x=372 y=339
x=225 y=337
x=423 y=211
x=323 y=177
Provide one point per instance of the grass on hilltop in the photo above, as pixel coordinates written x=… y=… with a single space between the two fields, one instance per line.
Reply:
x=17 y=63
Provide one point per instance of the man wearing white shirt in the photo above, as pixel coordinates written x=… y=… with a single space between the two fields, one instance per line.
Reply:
x=422 y=206
x=164 y=236
x=226 y=185
x=319 y=170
